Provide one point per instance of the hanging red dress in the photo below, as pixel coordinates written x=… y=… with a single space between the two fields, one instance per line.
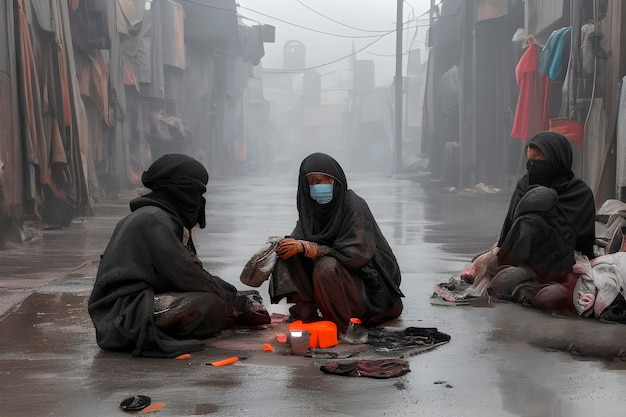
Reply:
x=530 y=114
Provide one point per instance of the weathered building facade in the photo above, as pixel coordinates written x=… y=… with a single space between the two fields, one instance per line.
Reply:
x=91 y=91
x=500 y=71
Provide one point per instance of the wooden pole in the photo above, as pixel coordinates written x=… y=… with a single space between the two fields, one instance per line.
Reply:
x=398 y=90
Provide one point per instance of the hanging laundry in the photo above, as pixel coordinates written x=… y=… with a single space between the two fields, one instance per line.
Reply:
x=530 y=114
x=554 y=55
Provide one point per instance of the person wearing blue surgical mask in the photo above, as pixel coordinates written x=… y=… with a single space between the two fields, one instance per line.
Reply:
x=320 y=187
x=339 y=265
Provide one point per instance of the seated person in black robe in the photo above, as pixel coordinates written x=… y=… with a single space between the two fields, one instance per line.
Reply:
x=537 y=231
x=337 y=258
x=152 y=296
x=550 y=217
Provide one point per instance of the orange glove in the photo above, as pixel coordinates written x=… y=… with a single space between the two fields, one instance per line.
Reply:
x=311 y=250
x=289 y=247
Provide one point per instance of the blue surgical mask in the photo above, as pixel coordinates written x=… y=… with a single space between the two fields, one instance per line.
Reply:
x=322 y=193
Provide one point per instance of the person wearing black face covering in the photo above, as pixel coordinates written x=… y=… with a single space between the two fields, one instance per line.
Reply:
x=152 y=295
x=539 y=228
x=337 y=257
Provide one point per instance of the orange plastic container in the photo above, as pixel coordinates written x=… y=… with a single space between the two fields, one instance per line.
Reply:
x=323 y=333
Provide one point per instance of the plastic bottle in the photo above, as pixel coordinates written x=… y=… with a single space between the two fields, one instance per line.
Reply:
x=356 y=333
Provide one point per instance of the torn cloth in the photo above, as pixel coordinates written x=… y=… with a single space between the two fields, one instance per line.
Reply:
x=376 y=368
x=386 y=339
x=605 y=278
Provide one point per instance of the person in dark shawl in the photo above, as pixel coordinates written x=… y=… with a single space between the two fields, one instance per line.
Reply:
x=337 y=259
x=551 y=213
x=152 y=295
x=540 y=237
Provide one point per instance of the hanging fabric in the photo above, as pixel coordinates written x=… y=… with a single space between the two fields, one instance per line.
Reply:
x=530 y=113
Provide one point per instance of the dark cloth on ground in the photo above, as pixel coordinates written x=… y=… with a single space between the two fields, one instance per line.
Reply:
x=388 y=339
x=575 y=197
x=357 y=274
x=375 y=368
x=615 y=312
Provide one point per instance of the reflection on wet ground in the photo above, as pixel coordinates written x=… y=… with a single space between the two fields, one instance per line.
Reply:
x=464 y=224
x=505 y=360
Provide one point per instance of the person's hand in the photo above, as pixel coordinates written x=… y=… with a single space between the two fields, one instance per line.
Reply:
x=582 y=265
x=289 y=247
x=480 y=267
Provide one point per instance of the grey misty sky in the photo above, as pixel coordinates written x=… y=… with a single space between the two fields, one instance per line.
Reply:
x=370 y=15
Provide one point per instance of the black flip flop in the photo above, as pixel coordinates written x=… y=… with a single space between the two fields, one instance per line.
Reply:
x=135 y=403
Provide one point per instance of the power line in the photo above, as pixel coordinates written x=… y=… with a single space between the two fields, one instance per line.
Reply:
x=407 y=52
x=378 y=37
x=310 y=29
x=328 y=33
x=338 y=59
x=199 y=3
x=336 y=21
x=414 y=33
x=247 y=18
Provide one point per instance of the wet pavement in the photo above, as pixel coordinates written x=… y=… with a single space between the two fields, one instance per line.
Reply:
x=502 y=360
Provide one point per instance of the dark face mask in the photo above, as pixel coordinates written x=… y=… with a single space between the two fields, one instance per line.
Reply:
x=539 y=172
x=201 y=214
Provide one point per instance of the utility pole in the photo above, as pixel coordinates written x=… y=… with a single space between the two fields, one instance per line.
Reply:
x=398 y=90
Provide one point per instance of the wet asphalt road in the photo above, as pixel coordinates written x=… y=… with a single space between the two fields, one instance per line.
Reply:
x=503 y=360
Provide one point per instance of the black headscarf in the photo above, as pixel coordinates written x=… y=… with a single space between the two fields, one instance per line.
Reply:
x=574 y=195
x=177 y=181
x=558 y=152
x=346 y=229
x=321 y=222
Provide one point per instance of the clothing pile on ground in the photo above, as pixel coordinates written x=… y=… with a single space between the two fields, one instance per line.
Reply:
x=597 y=286
x=384 y=340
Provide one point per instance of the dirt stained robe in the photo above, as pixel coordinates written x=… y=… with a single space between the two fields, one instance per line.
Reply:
x=346 y=231
x=146 y=256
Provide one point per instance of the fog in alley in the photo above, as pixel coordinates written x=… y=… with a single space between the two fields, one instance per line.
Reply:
x=92 y=92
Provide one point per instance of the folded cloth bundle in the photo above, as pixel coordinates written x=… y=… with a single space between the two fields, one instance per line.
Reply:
x=376 y=368
x=250 y=305
x=388 y=339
